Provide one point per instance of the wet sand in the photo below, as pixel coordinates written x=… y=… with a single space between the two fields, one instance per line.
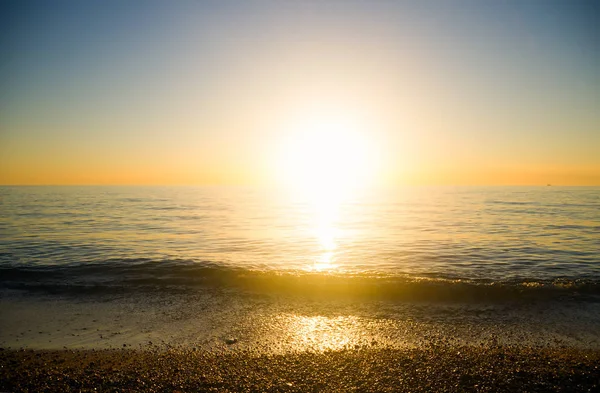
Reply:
x=363 y=369
x=220 y=341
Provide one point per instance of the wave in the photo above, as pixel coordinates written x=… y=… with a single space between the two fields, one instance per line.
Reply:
x=122 y=276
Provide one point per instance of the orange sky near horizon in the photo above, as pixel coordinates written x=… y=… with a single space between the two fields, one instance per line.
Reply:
x=206 y=93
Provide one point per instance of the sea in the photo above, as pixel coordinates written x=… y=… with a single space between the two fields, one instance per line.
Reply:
x=248 y=268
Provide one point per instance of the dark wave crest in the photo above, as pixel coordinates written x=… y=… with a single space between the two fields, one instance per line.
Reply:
x=122 y=276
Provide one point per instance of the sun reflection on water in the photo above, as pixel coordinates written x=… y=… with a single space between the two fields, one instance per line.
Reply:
x=323 y=333
x=325 y=216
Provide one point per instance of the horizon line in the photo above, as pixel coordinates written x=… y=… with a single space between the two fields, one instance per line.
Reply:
x=279 y=186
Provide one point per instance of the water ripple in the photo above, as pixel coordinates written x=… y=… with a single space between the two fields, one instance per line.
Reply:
x=496 y=233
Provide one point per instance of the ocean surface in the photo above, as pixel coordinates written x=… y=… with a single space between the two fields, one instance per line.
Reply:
x=114 y=238
x=239 y=268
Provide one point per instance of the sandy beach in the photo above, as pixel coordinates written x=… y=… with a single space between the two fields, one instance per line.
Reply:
x=236 y=342
x=362 y=369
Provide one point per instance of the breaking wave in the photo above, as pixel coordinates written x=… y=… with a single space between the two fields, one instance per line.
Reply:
x=123 y=276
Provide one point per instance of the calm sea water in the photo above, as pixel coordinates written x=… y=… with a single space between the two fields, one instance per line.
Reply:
x=527 y=236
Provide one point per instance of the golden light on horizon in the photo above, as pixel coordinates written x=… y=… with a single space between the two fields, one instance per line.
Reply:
x=327 y=155
x=325 y=158
x=200 y=96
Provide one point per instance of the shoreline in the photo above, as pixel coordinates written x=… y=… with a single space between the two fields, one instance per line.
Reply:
x=433 y=368
x=277 y=325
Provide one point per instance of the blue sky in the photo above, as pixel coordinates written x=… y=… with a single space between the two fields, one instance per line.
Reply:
x=99 y=91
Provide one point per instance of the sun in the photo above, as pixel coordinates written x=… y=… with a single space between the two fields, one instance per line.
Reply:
x=327 y=155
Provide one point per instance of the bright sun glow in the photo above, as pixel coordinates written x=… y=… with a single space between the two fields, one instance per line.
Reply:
x=327 y=156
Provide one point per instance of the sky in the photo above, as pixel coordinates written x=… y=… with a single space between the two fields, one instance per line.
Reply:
x=193 y=92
